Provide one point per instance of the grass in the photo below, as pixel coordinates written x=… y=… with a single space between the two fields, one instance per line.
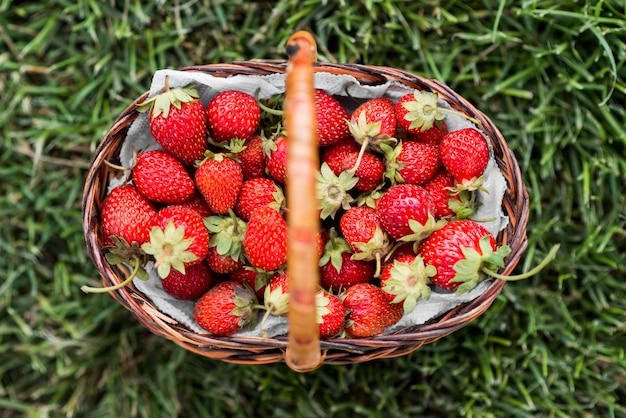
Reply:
x=551 y=74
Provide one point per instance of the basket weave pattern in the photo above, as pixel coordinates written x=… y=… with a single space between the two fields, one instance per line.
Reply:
x=257 y=350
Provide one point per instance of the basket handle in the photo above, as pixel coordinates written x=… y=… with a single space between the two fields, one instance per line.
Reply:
x=303 y=345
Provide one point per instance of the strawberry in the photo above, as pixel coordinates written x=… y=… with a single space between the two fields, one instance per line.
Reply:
x=178 y=122
x=257 y=192
x=338 y=270
x=373 y=123
x=189 y=285
x=369 y=169
x=406 y=280
x=161 y=178
x=465 y=154
x=276 y=158
x=232 y=114
x=197 y=203
x=252 y=158
x=411 y=162
x=331 y=314
x=401 y=249
x=179 y=239
x=332 y=117
x=459 y=251
x=335 y=154
x=219 y=178
x=363 y=231
x=369 y=312
x=265 y=241
x=403 y=208
x=226 y=308
x=221 y=264
x=448 y=204
x=126 y=214
x=433 y=135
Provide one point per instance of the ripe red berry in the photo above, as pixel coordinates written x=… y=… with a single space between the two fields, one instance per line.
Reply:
x=232 y=114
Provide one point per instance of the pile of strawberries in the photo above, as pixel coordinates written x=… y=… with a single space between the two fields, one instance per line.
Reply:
x=395 y=191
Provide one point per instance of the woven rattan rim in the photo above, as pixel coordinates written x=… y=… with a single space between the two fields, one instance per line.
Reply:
x=256 y=350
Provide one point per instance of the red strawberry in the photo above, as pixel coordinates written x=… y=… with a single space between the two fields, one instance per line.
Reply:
x=178 y=122
x=350 y=273
x=459 y=251
x=332 y=119
x=338 y=270
x=399 y=251
x=364 y=232
x=374 y=122
x=219 y=179
x=369 y=310
x=226 y=308
x=406 y=280
x=179 y=239
x=160 y=177
x=221 y=264
x=369 y=170
x=402 y=206
x=335 y=154
x=232 y=114
x=412 y=162
x=265 y=242
x=276 y=159
x=252 y=158
x=189 y=285
x=448 y=204
x=197 y=203
x=257 y=192
x=126 y=214
x=465 y=154
x=331 y=315
x=433 y=135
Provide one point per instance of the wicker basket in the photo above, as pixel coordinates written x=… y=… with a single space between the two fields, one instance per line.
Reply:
x=257 y=350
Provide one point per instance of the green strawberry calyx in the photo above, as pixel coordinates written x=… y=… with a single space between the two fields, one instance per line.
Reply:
x=476 y=267
x=392 y=165
x=321 y=305
x=409 y=282
x=227 y=236
x=332 y=191
x=421 y=231
x=160 y=104
x=246 y=305
x=424 y=111
x=333 y=250
x=123 y=252
x=375 y=249
x=368 y=134
x=169 y=248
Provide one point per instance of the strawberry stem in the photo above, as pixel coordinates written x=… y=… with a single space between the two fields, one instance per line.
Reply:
x=89 y=289
x=529 y=273
x=275 y=112
x=457 y=113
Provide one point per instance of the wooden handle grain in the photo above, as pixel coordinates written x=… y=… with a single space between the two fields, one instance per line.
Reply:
x=303 y=346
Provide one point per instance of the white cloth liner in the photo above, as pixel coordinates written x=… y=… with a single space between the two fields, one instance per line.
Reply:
x=208 y=86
